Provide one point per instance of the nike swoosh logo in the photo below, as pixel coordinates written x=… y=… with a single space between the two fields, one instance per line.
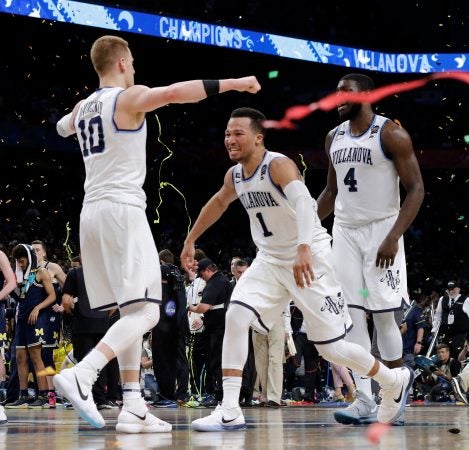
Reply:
x=83 y=396
x=136 y=415
x=227 y=421
x=398 y=399
x=320 y=276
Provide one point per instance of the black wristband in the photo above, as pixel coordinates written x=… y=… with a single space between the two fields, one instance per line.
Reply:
x=419 y=342
x=212 y=87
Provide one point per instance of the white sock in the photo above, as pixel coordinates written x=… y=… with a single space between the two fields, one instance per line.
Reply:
x=385 y=376
x=136 y=405
x=94 y=359
x=231 y=389
x=131 y=390
x=363 y=384
x=132 y=398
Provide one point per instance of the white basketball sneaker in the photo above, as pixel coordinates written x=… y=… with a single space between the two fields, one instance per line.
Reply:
x=131 y=422
x=218 y=421
x=74 y=385
x=363 y=410
x=394 y=397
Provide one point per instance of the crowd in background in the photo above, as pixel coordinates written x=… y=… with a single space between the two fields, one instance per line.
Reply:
x=180 y=366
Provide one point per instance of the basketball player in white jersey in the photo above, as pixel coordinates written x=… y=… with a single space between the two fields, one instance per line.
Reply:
x=120 y=259
x=368 y=156
x=293 y=261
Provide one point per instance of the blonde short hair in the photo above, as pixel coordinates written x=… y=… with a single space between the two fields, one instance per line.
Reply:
x=106 y=50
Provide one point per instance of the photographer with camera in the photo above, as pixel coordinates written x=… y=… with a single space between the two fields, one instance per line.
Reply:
x=169 y=336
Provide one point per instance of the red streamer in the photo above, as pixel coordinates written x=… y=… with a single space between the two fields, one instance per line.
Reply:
x=331 y=101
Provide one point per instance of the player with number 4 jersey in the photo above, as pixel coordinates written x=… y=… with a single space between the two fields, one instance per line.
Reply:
x=369 y=157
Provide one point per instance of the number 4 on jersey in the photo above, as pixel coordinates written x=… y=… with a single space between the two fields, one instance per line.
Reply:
x=350 y=180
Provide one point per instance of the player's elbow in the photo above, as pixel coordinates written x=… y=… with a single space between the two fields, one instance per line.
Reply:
x=64 y=128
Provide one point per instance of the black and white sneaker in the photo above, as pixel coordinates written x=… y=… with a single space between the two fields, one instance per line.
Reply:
x=458 y=391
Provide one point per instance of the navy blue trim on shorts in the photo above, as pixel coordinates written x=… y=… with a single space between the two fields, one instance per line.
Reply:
x=130 y=302
x=342 y=336
x=403 y=304
x=262 y=324
x=104 y=307
x=139 y=300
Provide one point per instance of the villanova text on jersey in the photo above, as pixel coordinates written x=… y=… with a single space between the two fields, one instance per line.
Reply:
x=257 y=200
x=352 y=154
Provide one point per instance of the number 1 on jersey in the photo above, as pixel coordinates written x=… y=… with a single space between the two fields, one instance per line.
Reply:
x=350 y=180
x=267 y=233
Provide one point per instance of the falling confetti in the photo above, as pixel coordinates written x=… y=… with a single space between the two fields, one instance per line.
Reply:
x=46 y=372
x=68 y=249
x=364 y=292
x=303 y=165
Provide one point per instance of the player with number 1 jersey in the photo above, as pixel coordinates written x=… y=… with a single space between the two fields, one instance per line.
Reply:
x=272 y=219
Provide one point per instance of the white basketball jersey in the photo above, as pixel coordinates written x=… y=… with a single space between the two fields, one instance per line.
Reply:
x=272 y=219
x=115 y=160
x=367 y=181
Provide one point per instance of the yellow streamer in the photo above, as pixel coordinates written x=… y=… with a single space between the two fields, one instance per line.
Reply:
x=68 y=249
x=303 y=164
x=163 y=184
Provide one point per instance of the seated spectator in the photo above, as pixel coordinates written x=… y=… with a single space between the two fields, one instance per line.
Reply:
x=437 y=380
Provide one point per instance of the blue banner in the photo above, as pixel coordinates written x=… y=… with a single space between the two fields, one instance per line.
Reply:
x=81 y=13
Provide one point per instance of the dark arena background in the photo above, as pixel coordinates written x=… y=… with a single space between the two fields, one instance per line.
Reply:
x=46 y=67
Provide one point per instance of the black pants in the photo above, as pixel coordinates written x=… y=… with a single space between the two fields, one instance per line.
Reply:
x=455 y=343
x=198 y=349
x=13 y=385
x=308 y=351
x=249 y=374
x=214 y=373
x=169 y=359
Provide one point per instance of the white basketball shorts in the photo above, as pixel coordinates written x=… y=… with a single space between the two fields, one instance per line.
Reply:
x=267 y=288
x=121 y=265
x=364 y=285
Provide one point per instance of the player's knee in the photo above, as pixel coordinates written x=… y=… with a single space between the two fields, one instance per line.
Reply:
x=385 y=323
x=332 y=351
x=146 y=316
x=238 y=316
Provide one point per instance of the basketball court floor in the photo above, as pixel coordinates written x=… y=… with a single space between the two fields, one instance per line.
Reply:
x=427 y=427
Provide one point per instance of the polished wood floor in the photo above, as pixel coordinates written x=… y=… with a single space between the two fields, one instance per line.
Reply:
x=285 y=428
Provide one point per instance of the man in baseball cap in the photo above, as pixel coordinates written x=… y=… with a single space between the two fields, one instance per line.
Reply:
x=452 y=284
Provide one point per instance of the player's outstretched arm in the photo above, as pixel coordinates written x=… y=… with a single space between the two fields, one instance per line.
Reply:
x=140 y=98
x=209 y=214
